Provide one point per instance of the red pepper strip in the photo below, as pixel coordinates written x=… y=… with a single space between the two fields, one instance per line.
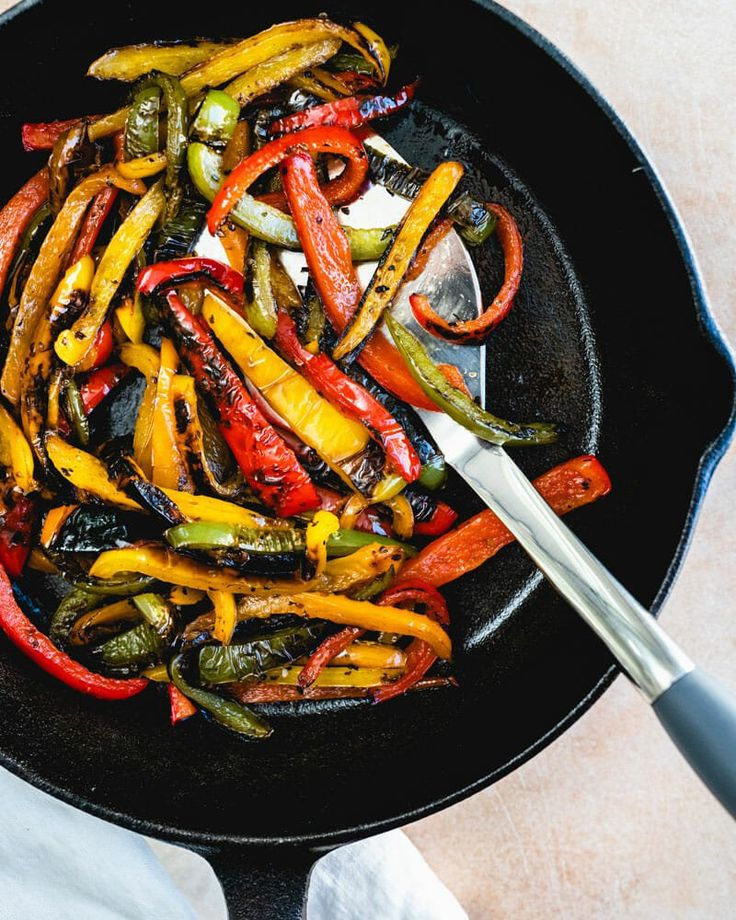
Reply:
x=269 y=466
x=438 y=232
x=100 y=383
x=40 y=649
x=472 y=331
x=102 y=347
x=568 y=486
x=357 y=82
x=325 y=652
x=419 y=654
x=327 y=252
x=17 y=214
x=350 y=398
x=455 y=377
x=161 y=274
x=93 y=221
x=44 y=134
x=16 y=528
x=350 y=112
x=368 y=521
x=336 y=141
x=441 y=521
x=181 y=707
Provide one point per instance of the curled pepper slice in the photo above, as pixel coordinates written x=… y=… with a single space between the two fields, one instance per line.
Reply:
x=325 y=652
x=346 y=113
x=475 y=331
x=40 y=649
x=336 y=141
x=168 y=274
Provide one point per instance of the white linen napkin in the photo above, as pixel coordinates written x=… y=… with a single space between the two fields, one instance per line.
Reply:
x=59 y=863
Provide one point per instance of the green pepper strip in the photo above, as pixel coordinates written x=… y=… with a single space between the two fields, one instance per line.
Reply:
x=223 y=664
x=86 y=596
x=135 y=648
x=216 y=118
x=260 y=311
x=206 y=535
x=156 y=611
x=457 y=404
x=226 y=712
x=141 y=126
x=75 y=410
x=266 y=222
x=177 y=124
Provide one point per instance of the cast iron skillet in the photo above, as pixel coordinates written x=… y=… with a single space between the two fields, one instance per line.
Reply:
x=611 y=336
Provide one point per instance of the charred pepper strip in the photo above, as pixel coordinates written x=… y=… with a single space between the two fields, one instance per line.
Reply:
x=40 y=649
x=17 y=215
x=99 y=384
x=93 y=221
x=395 y=263
x=269 y=466
x=16 y=530
x=325 y=652
x=346 y=113
x=568 y=486
x=15 y=452
x=458 y=405
x=47 y=267
x=351 y=398
x=43 y=135
x=475 y=331
x=133 y=61
x=141 y=135
x=73 y=344
x=335 y=141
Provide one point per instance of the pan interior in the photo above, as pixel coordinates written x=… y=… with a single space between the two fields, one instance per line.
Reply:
x=579 y=348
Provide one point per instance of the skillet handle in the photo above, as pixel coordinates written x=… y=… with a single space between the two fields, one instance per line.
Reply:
x=268 y=885
x=700 y=717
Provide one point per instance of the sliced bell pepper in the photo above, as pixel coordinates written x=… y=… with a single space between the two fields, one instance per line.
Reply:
x=335 y=141
x=16 y=529
x=141 y=136
x=67 y=149
x=402 y=516
x=47 y=267
x=474 y=331
x=133 y=61
x=387 y=278
x=437 y=233
x=326 y=652
x=269 y=466
x=100 y=383
x=226 y=616
x=73 y=344
x=319 y=530
x=346 y=113
x=260 y=310
x=216 y=119
x=93 y=221
x=15 y=452
x=420 y=656
x=351 y=398
x=131 y=319
x=568 y=486
x=268 y=691
x=75 y=411
x=16 y=217
x=143 y=167
x=458 y=405
x=169 y=468
x=331 y=268
x=40 y=649
x=269 y=74
x=101 y=350
x=44 y=134
x=370 y=655
x=181 y=707
x=442 y=519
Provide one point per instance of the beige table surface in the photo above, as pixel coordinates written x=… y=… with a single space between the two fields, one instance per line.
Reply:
x=608 y=822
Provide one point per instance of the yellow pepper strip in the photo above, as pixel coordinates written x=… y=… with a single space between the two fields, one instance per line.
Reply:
x=47 y=267
x=169 y=467
x=403 y=516
x=271 y=73
x=318 y=532
x=396 y=260
x=373 y=617
x=351 y=511
x=316 y=421
x=159 y=673
x=132 y=321
x=54 y=399
x=335 y=677
x=146 y=360
x=376 y=47
x=53 y=522
x=87 y=473
x=73 y=288
x=242 y=56
x=313 y=87
x=370 y=655
x=15 y=452
x=133 y=61
x=185 y=597
x=143 y=167
x=226 y=615
x=40 y=562
x=162 y=563
x=82 y=631
x=73 y=344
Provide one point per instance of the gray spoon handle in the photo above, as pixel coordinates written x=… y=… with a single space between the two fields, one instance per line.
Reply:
x=700 y=718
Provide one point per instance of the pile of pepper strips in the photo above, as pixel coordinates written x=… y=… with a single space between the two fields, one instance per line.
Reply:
x=244 y=538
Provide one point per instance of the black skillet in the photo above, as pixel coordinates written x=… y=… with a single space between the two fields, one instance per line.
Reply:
x=611 y=335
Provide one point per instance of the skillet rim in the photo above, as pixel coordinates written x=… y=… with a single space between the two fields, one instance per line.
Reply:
x=711 y=456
